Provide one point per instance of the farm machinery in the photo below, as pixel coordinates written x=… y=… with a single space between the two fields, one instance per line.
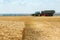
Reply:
x=44 y=13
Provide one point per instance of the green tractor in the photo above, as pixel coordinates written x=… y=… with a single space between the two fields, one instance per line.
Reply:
x=36 y=14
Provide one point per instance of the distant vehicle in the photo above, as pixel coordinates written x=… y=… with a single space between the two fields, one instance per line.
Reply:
x=47 y=13
x=44 y=13
x=36 y=14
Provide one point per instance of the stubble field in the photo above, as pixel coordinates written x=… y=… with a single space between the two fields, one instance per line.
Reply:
x=33 y=28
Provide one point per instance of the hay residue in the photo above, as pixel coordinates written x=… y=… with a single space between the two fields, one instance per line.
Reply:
x=41 y=31
x=11 y=30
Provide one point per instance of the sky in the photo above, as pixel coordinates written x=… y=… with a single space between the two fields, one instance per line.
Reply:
x=28 y=6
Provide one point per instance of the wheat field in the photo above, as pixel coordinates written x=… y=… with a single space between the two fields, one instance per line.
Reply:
x=11 y=30
x=33 y=28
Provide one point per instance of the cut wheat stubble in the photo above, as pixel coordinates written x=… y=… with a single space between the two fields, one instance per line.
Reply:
x=41 y=31
x=11 y=30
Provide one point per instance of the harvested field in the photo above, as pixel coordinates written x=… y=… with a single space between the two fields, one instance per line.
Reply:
x=11 y=30
x=42 y=31
x=36 y=28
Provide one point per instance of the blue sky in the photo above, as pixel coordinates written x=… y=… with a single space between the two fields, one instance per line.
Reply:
x=28 y=6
